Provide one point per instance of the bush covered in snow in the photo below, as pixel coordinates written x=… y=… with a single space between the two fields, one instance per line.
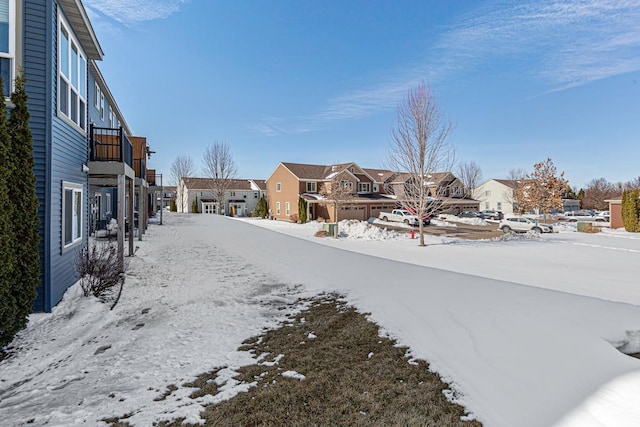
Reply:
x=354 y=229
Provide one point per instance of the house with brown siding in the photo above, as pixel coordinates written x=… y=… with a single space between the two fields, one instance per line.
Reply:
x=371 y=191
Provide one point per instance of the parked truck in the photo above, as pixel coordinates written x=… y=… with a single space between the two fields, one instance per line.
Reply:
x=402 y=215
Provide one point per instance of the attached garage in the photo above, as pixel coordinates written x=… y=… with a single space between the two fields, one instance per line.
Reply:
x=352 y=212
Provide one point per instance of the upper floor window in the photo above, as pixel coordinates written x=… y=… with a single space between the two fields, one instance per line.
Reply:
x=96 y=96
x=456 y=191
x=278 y=186
x=7 y=44
x=311 y=187
x=72 y=76
x=346 y=184
x=364 y=187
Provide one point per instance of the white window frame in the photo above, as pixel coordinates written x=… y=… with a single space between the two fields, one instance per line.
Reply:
x=77 y=219
x=101 y=106
x=278 y=186
x=364 y=187
x=312 y=187
x=97 y=92
x=287 y=208
x=81 y=98
x=277 y=208
x=11 y=55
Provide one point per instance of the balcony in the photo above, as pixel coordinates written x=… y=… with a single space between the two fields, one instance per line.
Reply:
x=110 y=154
x=140 y=167
x=110 y=145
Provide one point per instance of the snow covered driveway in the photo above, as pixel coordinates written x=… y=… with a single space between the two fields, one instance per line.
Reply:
x=515 y=355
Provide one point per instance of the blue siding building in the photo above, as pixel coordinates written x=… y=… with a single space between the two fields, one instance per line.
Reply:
x=54 y=44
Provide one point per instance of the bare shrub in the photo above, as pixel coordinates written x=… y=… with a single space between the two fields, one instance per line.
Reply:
x=322 y=233
x=100 y=270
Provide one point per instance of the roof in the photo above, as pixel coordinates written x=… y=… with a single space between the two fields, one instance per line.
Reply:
x=77 y=17
x=512 y=183
x=308 y=172
x=379 y=175
x=207 y=184
x=261 y=184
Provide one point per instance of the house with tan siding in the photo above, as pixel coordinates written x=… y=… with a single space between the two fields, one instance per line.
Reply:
x=371 y=191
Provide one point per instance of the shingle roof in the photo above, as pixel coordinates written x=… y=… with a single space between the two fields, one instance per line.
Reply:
x=513 y=183
x=206 y=184
x=314 y=172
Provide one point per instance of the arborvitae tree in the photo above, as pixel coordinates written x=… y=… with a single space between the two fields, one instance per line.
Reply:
x=261 y=208
x=302 y=210
x=7 y=301
x=631 y=210
x=172 y=205
x=194 y=206
x=25 y=223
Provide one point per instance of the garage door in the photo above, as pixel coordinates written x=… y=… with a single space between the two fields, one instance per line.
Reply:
x=352 y=212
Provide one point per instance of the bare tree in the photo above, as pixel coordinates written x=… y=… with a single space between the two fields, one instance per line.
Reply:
x=597 y=191
x=181 y=167
x=470 y=175
x=543 y=189
x=337 y=193
x=515 y=176
x=219 y=166
x=419 y=148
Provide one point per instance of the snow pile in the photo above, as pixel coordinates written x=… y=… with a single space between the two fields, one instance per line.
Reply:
x=294 y=375
x=441 y=222
x=470 y=221
x=353 y=229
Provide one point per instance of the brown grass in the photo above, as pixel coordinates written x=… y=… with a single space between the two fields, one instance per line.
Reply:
x=353 y=376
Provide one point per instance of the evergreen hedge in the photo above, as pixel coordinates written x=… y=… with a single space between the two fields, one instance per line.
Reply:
x=302 y=210
x=631 y=210
x=7 y=302
x=20 y=288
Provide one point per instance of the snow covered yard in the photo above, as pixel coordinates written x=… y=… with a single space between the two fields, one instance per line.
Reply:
x=536 y=355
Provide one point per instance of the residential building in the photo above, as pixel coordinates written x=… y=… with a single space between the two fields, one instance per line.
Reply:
x=372 y=191
x=54 y=43
x=497 y=194
x=240 y=199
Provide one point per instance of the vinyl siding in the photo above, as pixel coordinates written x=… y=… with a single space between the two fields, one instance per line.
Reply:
x=37 y=28
x=60 y=150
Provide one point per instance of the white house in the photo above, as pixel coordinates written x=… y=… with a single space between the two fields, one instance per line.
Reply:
x=241 y=197
x=496 y=194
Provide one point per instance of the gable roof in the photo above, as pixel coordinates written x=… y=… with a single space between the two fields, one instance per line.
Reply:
x=308 y=172
x=78 y=19
x=379 y=175
x=207 y=183
x=260 y=184
x=512 y=183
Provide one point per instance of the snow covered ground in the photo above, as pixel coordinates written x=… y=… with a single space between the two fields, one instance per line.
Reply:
x=524 y=329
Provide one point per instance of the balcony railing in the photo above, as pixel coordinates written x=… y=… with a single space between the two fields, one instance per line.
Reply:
x=109 y=145
x=140 y=168
x=151 y=177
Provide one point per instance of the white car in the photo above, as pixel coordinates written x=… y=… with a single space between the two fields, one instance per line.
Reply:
x=522 y=224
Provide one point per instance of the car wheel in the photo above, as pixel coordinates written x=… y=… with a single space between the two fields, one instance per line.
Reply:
x=384 y=218
x=406 y=221
x=536 y=230
x=506 y=229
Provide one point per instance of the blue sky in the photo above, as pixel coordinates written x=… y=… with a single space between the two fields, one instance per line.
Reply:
x=319 y=81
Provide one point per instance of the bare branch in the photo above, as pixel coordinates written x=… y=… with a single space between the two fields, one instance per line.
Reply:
x=419 y=148
x=470 y=175
x=219 y=166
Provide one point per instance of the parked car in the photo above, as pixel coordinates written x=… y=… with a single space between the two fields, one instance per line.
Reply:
x=521 y=224
x=469 y=214
x=400 y=215
x=583 y=215
x=491 y=214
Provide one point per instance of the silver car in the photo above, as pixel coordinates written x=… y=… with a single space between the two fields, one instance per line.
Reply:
x=522 y=224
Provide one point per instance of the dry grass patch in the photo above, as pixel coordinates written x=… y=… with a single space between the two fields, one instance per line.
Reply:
x=352 y=376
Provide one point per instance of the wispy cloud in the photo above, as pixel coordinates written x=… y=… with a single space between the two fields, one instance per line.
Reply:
x=562 y=44
x=129 y=12
x=566 y=43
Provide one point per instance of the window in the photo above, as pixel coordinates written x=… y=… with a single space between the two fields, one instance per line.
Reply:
x=101 y=106
x=375 y=188
x=72 y=213
x=107 y=204
x=499 y=206
x=311 y=187
x=96 y=96
x=346 y=184
x=232 y=194
x=255 y=195
x=287 y=208
x=72 y=77
x=278 y=186
x=7 y=42
x=486 y=205
x=277 y=208
x=487 y=193
x=364 y=187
